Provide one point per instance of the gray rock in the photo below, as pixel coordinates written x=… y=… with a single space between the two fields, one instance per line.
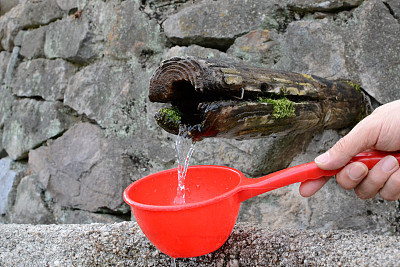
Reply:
x=12 y=62
x=394 y=8
x=123 y=244
x=284 y=208
x=6 y=101
x=11 y=174
x=65 y=215
x=18 y=38
x=27 y=15
x=81 y=170
x=132 y=33
x=4 y=58
x=252 y=157
x=32 y=123
x=67 y=4
x=107 y=93
x=6 y=182
x=33 y=43
x=316 y=47
x=360 y=46
x=43 y=78
x=7 y=5
x=39 y=12
x=69 y=39
x=256 y=46
x=3 y=152
x=377 y=34
x=29 y=206
x=217 y=24
x=323 y=5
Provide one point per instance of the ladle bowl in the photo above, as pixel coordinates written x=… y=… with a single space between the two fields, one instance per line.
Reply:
x=213 y=197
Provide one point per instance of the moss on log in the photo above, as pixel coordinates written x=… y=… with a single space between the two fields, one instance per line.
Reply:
x=222 y=99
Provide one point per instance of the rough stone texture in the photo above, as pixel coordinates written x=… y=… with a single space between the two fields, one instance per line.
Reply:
x=123 y=244
x=6 y=101
x=323 y=5
x=46 y=79
x=11 y=174
x=87 y=175
x=3 y=153
x=29 y=206
x=356 y=46
x=304 y=37
x=6 y=182
x=68 y=39
x=33 y=43
x=67 y=4
x=7 y=5
x=132 y=34
x=96 y=89
x=256 y=46
x=265 y=155
x=206 y=23
x=378 y=64
x=31 y=123
x=65 y=215
x=27 y=14
x=4 y=58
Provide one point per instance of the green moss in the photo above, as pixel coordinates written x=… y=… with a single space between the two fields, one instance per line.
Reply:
x=354 y=85
x=283 y=107
x=169 y=117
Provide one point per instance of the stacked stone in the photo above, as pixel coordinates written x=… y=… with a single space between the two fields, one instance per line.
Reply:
x=76 y=126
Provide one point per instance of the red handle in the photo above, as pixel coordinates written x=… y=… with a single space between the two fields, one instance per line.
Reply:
x=252 y=187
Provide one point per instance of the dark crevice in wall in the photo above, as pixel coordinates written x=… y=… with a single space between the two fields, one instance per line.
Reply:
x=36 y=26
x=329 y=10
x=33 y=97
x=221 y=44
x=391 y=11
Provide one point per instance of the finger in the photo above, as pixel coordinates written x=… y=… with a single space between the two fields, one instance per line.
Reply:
x=359 y=139
x=391 y=189
x=352 y=175
x=377 y=177
x=310 y=187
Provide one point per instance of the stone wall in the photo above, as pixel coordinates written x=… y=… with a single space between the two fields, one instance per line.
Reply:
x=76 y=126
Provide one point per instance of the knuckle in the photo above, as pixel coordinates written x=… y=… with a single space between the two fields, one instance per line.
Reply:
x=364 y=195
x=341 y=145
x=343 y=180
x=389 y=197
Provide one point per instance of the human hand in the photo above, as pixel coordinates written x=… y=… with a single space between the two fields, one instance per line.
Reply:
x=378 y=131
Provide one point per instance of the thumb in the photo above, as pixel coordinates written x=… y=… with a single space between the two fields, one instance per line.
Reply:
x=361 y=138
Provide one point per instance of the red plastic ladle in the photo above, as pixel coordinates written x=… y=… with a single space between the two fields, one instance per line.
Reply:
x=213 y=197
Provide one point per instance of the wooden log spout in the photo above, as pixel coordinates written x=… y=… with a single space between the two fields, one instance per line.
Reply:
x=222 y=99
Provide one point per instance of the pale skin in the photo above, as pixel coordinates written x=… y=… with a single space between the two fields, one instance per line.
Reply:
x=378 y=131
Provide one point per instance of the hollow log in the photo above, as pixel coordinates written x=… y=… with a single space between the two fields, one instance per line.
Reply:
x=223 y=99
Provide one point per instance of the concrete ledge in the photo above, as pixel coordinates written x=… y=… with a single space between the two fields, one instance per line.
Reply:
x=123 y=244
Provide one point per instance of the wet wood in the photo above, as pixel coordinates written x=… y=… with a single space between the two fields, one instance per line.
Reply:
x=225 y=99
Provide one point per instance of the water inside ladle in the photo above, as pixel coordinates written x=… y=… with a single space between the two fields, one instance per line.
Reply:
x=205 y=221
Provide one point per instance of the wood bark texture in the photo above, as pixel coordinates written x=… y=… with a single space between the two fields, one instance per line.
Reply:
x=230 y=100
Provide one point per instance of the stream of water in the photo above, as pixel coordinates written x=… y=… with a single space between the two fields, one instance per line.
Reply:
x=184 y=149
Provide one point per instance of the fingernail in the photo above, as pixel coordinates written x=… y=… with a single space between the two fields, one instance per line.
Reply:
x=389 y=163
x=324 y=158
x=357 y=172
